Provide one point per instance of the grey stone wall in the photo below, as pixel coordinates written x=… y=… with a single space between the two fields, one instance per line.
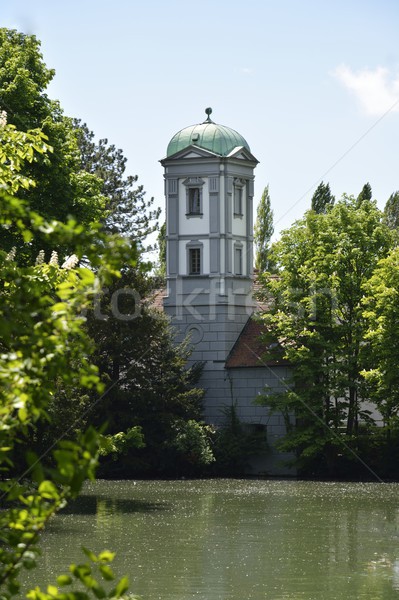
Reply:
x=240 y=386
x=212 y=335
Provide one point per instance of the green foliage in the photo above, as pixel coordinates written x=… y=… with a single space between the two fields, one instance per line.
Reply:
x=318 y=323
x=64 y=191
x=322 y=199
x=192 y=442
x=17 y=148
x=127 y=211
x=23 y=77
x=234 y=445
x=263 y=231
x=365 y=194
x=93 y=576
x=161 y=267
x=119 y=443
x=381 y=311
x=43 y=342
x=147 y=377
x=391 y=211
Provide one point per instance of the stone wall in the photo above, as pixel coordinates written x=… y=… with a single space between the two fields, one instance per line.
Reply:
x=240 y=387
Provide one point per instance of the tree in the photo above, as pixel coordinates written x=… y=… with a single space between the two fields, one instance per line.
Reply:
x=127 y=211
x=63 y=190
x=18 y=147
x=365 y=194
x=42 y=340
x=161 y=268
x=322 y=198
x=23 y=79
x=150 y=385
x=381 y=310
x=234 y=445
x=133 y=344
x=317 y=319
x=263 y=231
x=391 y=211
x=134 y=348
x=381 y=352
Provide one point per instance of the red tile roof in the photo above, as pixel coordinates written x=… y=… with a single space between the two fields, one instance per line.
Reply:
x=156 y=297
x=249 y=349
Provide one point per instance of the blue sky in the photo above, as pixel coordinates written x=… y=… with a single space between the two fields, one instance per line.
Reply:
x=313 y=86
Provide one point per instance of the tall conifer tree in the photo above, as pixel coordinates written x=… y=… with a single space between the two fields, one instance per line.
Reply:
x=322 y=198
x=391 y=211
x=263 y=232
x=365 y=194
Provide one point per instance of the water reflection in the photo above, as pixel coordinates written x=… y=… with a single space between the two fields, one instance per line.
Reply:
x=235 y=539
x=90 y=505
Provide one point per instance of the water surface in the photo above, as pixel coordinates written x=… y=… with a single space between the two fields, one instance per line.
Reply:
x=236 y=539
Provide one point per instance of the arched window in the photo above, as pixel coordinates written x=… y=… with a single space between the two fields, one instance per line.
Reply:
x=194 y=187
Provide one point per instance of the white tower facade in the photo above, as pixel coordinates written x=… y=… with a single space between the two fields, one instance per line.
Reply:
x=209 y=188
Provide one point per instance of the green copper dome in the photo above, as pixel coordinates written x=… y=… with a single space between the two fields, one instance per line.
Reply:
x=208 y=135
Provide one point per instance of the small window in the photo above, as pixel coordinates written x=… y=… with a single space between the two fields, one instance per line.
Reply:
x=194 y=201
x=194 y=257
x=255 y=428
x=238 y=261
x=238 y=201
x=194 y=192
x=239 y=187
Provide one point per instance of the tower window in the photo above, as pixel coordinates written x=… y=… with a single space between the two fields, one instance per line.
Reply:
x=194 y=201
x=194 y=193
x=238 y=261
x=194 y=258
x=239 y=187
x=238 y=201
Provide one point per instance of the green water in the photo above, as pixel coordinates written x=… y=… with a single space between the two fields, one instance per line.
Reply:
x=235 y=539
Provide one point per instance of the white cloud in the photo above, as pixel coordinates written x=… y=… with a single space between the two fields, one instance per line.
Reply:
x=376 y=90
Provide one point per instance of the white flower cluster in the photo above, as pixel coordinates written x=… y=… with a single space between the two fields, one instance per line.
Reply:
x=3 y=118
x=54 y=259
x=11 y=255
x=40 y=258
x=70 y=262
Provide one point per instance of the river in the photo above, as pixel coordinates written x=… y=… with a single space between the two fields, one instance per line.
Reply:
x=235 y=539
